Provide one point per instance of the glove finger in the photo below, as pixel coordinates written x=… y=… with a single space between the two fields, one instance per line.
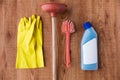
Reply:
x=21 y=25
x=38 y=21
x=38 y=36
x=29 y=33
x=21 y=32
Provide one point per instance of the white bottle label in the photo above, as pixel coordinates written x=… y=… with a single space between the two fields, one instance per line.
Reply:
x=90 y=52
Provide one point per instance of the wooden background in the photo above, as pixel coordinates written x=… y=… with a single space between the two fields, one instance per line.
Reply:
x=105 y=17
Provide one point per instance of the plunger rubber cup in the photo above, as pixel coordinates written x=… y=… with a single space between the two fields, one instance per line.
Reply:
x=54 y=8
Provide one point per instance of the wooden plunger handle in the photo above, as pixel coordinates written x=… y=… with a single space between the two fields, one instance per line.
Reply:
x=54 y=49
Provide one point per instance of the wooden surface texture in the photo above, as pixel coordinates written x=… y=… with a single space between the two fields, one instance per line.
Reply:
x=105 y=17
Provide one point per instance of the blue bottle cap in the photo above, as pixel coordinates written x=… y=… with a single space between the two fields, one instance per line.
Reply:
x=87 y=25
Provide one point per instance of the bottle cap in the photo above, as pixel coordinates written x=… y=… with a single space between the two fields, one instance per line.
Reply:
x=87 y=25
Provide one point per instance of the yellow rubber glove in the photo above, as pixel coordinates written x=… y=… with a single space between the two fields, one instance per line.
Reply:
x=29 y=43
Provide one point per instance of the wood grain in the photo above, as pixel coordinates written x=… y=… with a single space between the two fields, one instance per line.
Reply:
x=105 y=17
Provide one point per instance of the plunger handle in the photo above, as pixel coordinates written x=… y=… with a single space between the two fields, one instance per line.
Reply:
x=54 y=49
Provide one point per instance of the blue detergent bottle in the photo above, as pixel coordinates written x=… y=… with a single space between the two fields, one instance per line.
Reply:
x=89 y=52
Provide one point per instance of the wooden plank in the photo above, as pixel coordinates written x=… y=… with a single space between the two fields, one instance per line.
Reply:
x=105 y=17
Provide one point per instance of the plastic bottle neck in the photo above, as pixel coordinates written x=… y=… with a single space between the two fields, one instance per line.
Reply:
x=87 y=25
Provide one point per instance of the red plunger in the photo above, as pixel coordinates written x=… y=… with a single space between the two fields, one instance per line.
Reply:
x=53 y=9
